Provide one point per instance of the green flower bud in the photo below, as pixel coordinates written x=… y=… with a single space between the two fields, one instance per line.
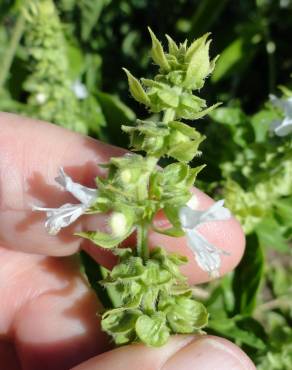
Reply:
x=126 y=176
x=118 y=224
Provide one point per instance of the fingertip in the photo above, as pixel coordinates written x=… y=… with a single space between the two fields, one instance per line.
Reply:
x=208 y=352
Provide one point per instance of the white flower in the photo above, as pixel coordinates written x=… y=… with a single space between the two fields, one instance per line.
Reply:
x=282 y=127
x=79 y=90
x=57 y=218
x=207 y=255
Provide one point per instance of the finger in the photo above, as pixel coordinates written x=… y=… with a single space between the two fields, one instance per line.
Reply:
x=30 y=180
x=48 y=311
x=180 y=353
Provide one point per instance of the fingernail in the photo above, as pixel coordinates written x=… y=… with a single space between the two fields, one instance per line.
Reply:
x=208 y=353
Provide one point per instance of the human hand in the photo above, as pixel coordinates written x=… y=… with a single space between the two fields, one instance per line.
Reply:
x=48 y=313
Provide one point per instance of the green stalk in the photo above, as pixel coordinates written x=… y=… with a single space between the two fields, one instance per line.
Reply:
x=168 y=115
x=142 y=241
x=8 y=59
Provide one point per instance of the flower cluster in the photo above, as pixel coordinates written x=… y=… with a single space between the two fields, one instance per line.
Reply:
x=155 y=299
x=55 y=93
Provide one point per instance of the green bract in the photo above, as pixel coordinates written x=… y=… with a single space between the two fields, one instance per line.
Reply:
x=176 y=139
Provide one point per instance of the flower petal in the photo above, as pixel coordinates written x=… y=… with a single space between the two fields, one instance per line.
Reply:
x=84 y=194
x=274 y=125
x=288 y=107
x=207 y=255
x=79 y=90
x=191 y=218
x=57 y=218
x=285 y=127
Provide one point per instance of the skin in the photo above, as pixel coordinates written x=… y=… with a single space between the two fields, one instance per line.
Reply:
x=48 y=312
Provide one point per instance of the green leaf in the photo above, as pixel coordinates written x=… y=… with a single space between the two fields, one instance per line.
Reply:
x=270 y=234
x=248 y=277
x=183 y=152
x=229 y=329
x=172 y=231
x=76 y=61
x=196 y=45
x=261 y=123
x=136 y=89
x=157 y=52
x=152 y=330
x=229 y=57
x=197 y=57
x=228 y=116
x=102 y=239
x=283 y=208
x=191 y=132
x=280 y=279
x=172 y=47
x=206 y=13
x=90 y=13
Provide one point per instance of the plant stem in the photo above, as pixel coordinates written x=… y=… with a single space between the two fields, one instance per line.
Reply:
x=8 y=59
x=168 y=115
x=142 y=245
x=283 y=301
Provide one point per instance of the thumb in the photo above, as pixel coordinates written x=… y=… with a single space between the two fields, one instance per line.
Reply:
x=180 y=353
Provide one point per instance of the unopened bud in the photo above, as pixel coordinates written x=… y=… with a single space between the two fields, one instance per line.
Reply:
x=126 y=176
x=118 y=224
